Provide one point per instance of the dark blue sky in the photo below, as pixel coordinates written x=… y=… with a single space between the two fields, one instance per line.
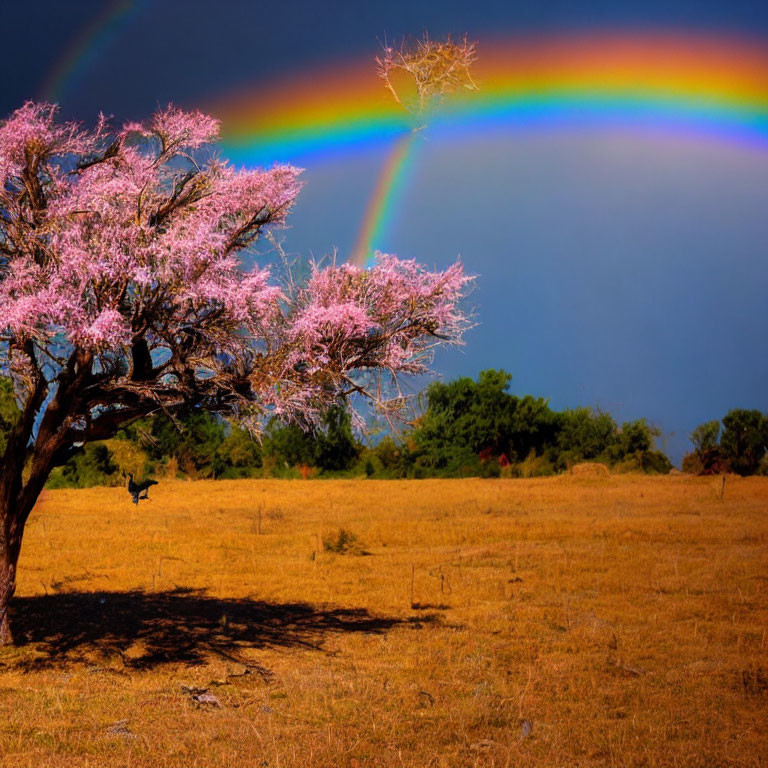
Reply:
x=615 y=271
x=186 y=49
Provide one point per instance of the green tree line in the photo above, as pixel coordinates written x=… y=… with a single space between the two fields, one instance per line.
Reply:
x=737 y=444
x=467 y=428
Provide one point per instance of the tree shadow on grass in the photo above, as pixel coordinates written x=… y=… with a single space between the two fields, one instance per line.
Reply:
x=177 y=626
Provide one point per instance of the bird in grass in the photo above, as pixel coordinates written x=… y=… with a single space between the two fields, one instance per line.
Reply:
x=139 y=490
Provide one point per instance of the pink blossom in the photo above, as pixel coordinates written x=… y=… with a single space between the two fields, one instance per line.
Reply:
x=108 y=329
x=32 y=127
x=124 y=240
x=178 y=129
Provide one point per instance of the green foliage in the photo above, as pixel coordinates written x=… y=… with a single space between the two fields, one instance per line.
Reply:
x=474 y=427
x=203 y=444
x=331 y=447
x=128 y=457
x=635 y=437
x=92 y=465
x=465 y=418
x=239 y=454
x=336 y=448
x=200 y=443
x=633 y=449
x=585 y=435
x=533 y=466
x=742 y=448
x=469 y=428
x=287 y=446
x=388 y=452
x=194 y=441
x=655 y=463
x=704 y=437
x=389 y=458
x=692 y=464
x=707 y=458
x=534 y=426
x=744 y=440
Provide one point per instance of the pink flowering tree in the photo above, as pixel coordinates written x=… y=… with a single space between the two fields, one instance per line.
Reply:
x=128 y=286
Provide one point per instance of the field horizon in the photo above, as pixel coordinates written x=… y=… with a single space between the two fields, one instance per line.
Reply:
x=563 y=621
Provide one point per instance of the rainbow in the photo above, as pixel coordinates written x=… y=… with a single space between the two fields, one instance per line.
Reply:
x=693 y=86
x=83 y=50
x=710 y=85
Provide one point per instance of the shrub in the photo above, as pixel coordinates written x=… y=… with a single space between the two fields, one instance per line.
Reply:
x=627 y=464
x=389 y=453
x=692 y=464
x=585 y=434
x=534 y=466
x=655 y=463
x=343 y=542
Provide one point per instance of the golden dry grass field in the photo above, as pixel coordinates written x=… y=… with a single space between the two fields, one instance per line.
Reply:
x=611 y=621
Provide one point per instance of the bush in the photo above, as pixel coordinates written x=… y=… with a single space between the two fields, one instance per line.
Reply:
x=655 y=463
x=629 y=464
x=534 y=466
x=343 y=542
x=692 y=464
x=585 y=435
x=389 y=454
x=650 y=462
x=239 y=455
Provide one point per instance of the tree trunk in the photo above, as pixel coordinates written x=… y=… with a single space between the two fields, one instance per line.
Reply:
x=13 y=516
x=10 y=546
x=18 y=494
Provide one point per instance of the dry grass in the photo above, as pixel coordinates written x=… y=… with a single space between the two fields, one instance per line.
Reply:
x=556 y=622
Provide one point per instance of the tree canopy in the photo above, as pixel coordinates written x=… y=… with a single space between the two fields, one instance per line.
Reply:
x=744 y=440
x=468 y=424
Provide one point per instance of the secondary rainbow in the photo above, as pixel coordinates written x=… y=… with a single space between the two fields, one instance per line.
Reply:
x=86 y=47
x=692 y=86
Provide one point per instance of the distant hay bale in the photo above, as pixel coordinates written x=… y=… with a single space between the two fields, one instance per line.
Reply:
x=589 y=469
